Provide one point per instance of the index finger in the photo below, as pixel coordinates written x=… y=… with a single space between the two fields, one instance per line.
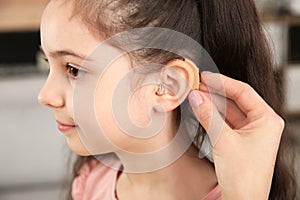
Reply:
x=241 y=93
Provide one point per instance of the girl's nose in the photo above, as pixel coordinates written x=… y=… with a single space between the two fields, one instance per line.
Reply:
x=51 y=95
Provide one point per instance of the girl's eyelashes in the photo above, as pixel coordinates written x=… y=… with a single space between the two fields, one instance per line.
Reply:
x=46 y=59
x=74 y=71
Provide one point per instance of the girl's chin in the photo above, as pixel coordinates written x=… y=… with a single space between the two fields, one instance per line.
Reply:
x=77 y=147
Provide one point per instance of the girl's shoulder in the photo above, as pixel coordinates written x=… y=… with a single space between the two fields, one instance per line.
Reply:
x=96 y=180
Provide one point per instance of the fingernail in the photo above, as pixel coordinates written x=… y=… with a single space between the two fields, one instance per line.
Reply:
x=195 y=99
x=206 y=72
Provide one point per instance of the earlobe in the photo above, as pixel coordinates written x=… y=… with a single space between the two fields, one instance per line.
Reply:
x=178 y=78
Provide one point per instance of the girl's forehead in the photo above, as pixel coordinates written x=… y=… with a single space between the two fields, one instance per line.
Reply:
x=57 y=14
x=60 y=30
x=55 y=7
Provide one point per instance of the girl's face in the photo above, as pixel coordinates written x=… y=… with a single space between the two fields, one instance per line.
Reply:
x=66 y=43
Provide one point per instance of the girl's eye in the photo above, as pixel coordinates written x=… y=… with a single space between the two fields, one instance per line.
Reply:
x=74 y=72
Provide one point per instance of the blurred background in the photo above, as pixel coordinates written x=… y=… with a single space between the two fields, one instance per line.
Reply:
x=33 y=155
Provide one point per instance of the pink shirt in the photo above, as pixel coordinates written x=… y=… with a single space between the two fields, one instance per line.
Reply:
x=98 y=182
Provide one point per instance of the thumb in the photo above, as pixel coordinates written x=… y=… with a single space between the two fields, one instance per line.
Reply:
x=207 y=115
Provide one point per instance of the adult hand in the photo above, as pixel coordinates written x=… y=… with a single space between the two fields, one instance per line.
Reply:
x=245 y=133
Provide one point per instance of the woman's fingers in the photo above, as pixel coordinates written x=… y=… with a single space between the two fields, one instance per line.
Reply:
x=208 y=115
x=228 y=108
x=241 y=93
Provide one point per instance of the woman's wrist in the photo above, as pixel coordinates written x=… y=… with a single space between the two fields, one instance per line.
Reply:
x=247 y=190
x=247 y=194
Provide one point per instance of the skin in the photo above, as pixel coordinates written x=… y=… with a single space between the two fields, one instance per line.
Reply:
x=251 y=127
x=62 y=33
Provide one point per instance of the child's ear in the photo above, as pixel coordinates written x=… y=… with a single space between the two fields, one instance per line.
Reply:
x=178 y=78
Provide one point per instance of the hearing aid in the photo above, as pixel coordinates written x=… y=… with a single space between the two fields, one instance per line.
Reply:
x=195 y=72
x=195 y=86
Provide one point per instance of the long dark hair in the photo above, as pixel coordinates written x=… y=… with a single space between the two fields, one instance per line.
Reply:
x=231 y=32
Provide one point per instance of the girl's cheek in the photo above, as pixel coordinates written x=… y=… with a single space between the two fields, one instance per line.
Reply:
x=139 y=109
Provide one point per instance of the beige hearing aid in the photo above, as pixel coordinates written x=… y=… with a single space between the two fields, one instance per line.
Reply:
x=196 y=74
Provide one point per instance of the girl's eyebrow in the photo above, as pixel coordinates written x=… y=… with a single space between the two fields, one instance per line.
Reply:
x=63 y=53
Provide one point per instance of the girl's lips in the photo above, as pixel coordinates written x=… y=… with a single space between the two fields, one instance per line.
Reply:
x=64 y=127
